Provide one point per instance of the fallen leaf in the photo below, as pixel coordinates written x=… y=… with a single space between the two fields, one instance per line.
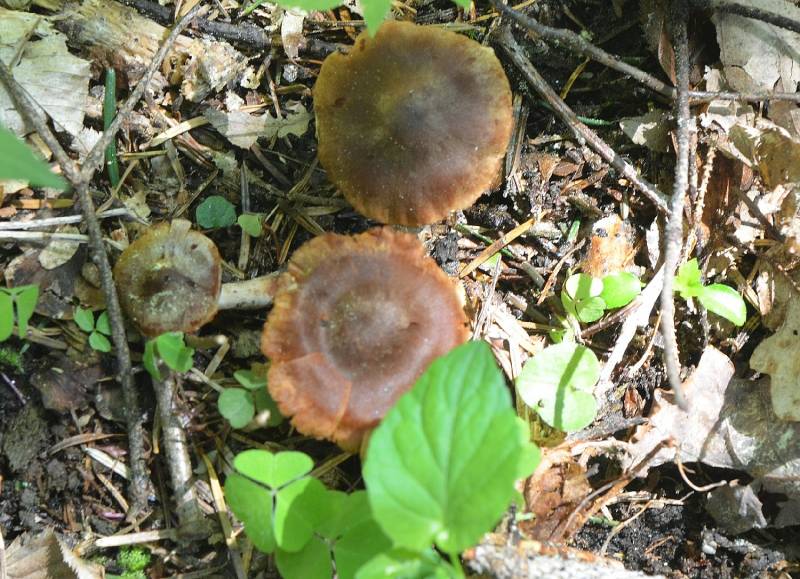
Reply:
x=44 y=556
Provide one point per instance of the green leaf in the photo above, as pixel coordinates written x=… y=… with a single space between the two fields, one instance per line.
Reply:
x=236 y=405
x=215 y=212
x=620 y=289
x=250 y=224
x=150 y=360
x=557 y=383
x=724 y=301
x=360 y=543
x=590 y=309
x=582 y=286
x=103 y=325
x=405 y=564
x=687 y=280
x=17 y=161
x=465 y=4
x=253 y=505
x=25 y=297
x=374 y=13
x=277 y=503
x=84 y=318
x=312 y=562
x=250 y=379
x=273 y=470
x=441 y=466
x=99 y=342
x=264 y=402
x=173 y=351
x=6 y=315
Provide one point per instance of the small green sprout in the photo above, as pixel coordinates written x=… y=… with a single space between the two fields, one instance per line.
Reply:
x=98 y=330
x=718 y=298
x=251 y=224
x=588 y=298
x=240 y=405
x=24 y=298
x=169 y=348
x=215 y=212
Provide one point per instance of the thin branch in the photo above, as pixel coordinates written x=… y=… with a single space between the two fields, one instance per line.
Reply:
x=577 y=43
x=749 y=12
x=674 y=229
x=514 y=51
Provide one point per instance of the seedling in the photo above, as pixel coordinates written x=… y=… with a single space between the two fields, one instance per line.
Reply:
x=718 y=298
x=215 y=212
x=439 y=471
x=240 y=405
x=557 y=384
x=170 y=349
x=98 y=329
x=23 y=299
x=587 y=298
x=250 y=223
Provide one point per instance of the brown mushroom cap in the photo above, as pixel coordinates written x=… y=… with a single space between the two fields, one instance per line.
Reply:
x=356 y=321
x=169 y=279
x=413 y=123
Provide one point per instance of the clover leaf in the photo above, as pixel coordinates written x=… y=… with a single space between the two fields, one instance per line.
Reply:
x=557 y=383
x=620 y=289
x=215 y=212
x=441 y=466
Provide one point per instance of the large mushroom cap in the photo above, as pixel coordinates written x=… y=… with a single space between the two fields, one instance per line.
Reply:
x=169 y=279
x=356 y=321
x=413 y=123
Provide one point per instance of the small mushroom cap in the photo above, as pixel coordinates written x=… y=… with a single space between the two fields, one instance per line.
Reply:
x=413 y=123
x=169 y=279
x=356 y=321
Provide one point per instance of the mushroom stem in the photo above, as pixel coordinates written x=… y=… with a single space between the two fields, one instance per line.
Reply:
x=251 y=294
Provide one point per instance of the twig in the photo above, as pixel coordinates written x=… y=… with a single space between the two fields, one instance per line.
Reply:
x=694 y=487
x=674 y=228
x=578 y=44
x=514 y=51
x=701 y=96
x=64 y=220
x=749 y=12
x=2 y=556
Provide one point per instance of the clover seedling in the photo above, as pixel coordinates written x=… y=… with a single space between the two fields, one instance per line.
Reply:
x=98 y=330
x=24 y=298
x=240 y=405
x=215 y=212
x=557 y=383
x=587 y=298
x=719 y=298
x=170 y=349
x=250 y=224
x=440 y=468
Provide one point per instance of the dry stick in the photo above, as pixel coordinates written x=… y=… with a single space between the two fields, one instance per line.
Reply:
x=514 y=51
x=749 y=12
x=679 y=13
x=140 y=483
x=2 y=556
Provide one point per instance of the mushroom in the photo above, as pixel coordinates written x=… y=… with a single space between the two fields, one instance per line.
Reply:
x=356 y=320
x=169 y=280
x=413 y=123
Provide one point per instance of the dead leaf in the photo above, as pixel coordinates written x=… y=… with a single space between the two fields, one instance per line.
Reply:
x=736 y=509
x=610 y=248
x=45 y=556
x=64 y=384
x=59 y=251
x=650 y=130
x=243 y=129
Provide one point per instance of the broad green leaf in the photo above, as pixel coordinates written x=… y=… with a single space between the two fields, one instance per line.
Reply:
x=724 y=301
x=590 y=309
x=18 y=162
x=360 y=543
x=569 y=304
x=252 y=504
x=557 y=383
x=441 y=466
x=273 y=470
x=150 y=359
x=173 y=351
x=250 y=224
x=299 y=507
x=338 y=510
x=374 y=13
x=84 y=318
x=264 y=402
x=99 y=342
x=6 y=315
x=25 y=297
x=687 y=280
x=236 y=405
x=620 y=289
x=582 y=286
x=215 y=212
x=465 y=4
x=405 y=564
x=312 y=562
x=250 y=380
x=103 y=325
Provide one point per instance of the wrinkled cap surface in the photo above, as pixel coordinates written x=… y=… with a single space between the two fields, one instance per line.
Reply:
x=413 y=123
x=356 y=321
x=169 y=279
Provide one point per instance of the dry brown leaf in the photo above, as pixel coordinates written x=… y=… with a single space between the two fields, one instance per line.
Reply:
x=45 y=556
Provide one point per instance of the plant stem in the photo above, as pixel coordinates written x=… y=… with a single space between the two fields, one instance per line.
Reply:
x=455 y=561
x=109 y=112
